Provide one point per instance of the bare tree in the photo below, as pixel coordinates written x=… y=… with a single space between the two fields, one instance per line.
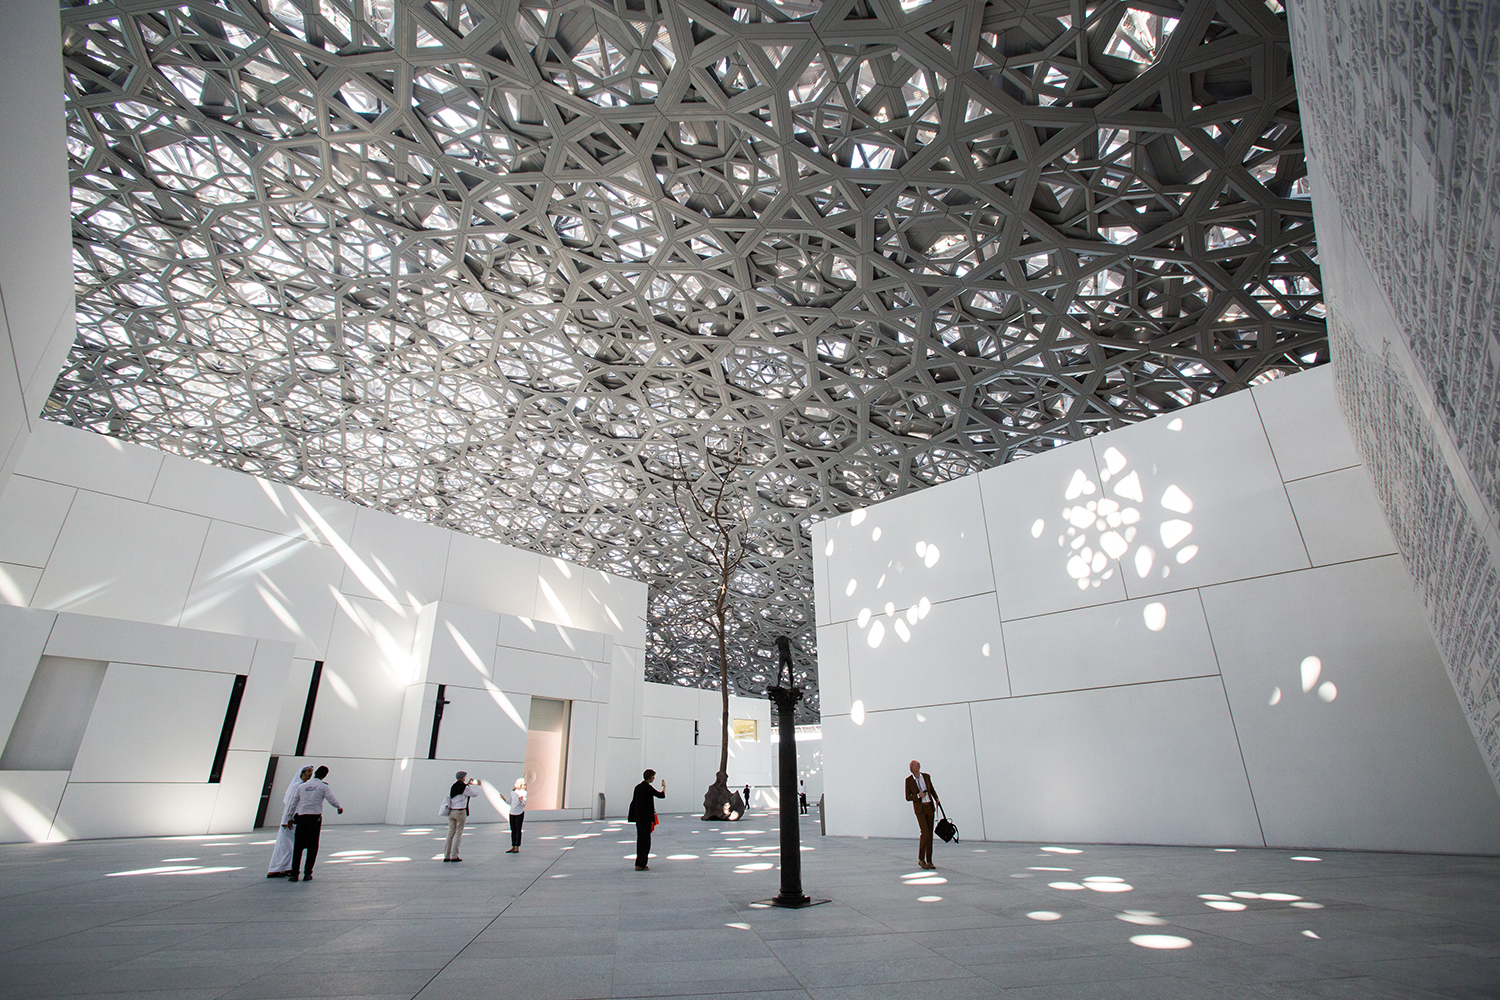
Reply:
x=716 y=506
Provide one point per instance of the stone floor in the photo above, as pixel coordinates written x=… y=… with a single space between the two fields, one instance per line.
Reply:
x=194 y=918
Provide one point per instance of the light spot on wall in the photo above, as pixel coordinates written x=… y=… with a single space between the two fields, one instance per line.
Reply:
x=1327 y=692
x=1312 y=667
x=857 y=712
x=875 y=535
x=340 y=687
x=1155 y=616
x=1174 y=531
x=877 y=633
x=851 y=587
x=1275 y=696
x=1176 y=500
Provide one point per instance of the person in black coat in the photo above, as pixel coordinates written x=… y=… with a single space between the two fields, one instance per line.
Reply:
x=643 y=815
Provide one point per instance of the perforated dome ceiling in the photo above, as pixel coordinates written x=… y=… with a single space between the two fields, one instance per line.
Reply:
x=507 y=267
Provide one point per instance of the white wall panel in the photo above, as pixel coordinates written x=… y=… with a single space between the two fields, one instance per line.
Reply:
x=486 y=574
x=362 y=784
x=614 y=606
x=122 y=559
x=1303 y=422
x=18 y=584
x=671 y=700
x=833 y=668
x=623 y=774
x=885 y=553
x=90 y=461
x=579 y=787
x=394 y=557
x=23 y=639
x=1215 y=475
x=1031 y=542
x=559 y=593
x=86 y=637
x=865 y=768
x=1146 y=763
x=36 y=275
x=255 y=582
x=293 y=704
x=260 y=706
x=478 y=724
x=627 y=684
x=668 y=751
x=153 y=724
x=113 y=809
x=1388 y=763
x=240 y=498
x=544 y=674
x=1114 y=730
x=1339 y=516
x=31 y=517
x=28 y=804
x=1110 y=644
x=955 y=653
x=822 y=604
x=462 y=649
x=368 y=666
x=549 y=637
x=239 y=792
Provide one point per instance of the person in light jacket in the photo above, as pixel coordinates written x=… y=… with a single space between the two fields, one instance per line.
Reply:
x=281 y=854
x=517 y=804
x=457 y=804
x=306 y=809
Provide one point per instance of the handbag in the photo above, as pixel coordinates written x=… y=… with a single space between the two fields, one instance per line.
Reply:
x=946 y=828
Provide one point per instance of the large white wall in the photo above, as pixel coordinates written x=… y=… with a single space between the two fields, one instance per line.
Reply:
x=1140 y=672
x=36 y=253
x=94 y=526
x=149 y=742
x=668 y=715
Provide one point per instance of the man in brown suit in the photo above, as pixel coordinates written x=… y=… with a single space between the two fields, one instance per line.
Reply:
x=923 y=798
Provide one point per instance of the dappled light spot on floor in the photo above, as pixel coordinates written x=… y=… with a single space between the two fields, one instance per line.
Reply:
x=929 y=899
x=1044 y=915
x=1146 y=918
x=1165 y=942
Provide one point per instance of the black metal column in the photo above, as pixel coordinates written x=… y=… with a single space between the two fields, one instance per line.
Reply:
x=785 y=698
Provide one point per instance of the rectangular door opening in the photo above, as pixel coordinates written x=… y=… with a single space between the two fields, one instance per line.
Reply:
x=546 y=753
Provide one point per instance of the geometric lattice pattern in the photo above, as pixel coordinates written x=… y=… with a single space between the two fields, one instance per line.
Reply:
x=509 y=267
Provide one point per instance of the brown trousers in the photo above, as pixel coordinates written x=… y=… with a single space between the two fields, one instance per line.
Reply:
x=925 y=812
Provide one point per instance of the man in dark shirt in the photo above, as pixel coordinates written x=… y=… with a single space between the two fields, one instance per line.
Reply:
x=643 y=815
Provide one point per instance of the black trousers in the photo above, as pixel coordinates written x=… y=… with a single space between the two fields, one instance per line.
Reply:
x=305 y=838
x=643 y=842
x=516 y=819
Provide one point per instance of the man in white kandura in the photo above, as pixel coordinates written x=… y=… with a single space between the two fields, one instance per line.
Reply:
x=281 y=854
x=306 y=808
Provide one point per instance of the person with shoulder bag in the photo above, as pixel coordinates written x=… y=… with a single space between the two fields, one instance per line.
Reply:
x=456 y=808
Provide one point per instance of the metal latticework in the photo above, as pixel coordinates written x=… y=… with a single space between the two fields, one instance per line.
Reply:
x=511 y=267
